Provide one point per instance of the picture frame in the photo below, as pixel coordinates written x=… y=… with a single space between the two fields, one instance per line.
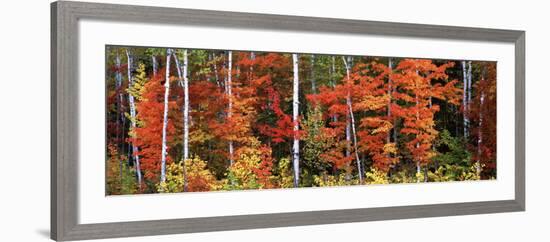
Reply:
x=65 y=16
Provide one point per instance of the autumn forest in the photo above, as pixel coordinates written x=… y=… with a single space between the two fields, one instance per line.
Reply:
x=189 y=120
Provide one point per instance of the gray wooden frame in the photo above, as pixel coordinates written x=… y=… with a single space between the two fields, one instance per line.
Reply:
x=64 y=121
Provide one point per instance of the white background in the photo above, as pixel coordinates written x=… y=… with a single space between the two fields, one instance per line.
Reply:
x=24 y=98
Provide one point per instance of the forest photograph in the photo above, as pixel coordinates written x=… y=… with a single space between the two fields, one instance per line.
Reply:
x=196 y=120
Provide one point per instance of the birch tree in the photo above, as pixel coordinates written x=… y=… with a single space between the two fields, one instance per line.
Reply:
x=465 y=98
x=133 y=117
x=184 y=83
x=155 y=64
x=391 y=88
x=313 y=84
x=333 y=80
x=348 y=127
x=390 y=99
x=213 y=59
x=480 y=135
x=164 y=151
x=120 y=118
x=295 y=113
x=186 y=107
x=418 y=121
x=351 y=122
x=469 y=75
x=230 y=97
x=348 y=133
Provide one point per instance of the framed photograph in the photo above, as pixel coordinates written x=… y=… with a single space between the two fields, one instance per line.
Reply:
x=168 y=120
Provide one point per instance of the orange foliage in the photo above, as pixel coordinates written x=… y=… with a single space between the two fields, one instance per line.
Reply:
x=417 y=82
x=148 y=134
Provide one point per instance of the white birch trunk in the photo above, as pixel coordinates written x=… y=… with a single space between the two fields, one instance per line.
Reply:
x=178 y=69
x=348 y=134
x=430 y=105
x=348 y=127
x=230 y=105
x=333 y=72
x=124 y=147
x=313 y=84
x=390 y=102
x=215 y=67
x=417 y=168
x=465 y=99
x=295 y=113
x=185 y=107
x=120 y=114
x=390 y=93
x=394 y=90
x=184 y=83
x=252 y=57
x=165 y=117
x=417 y=143
x=333 y=80
x=352 y=119
x=469 y=75
x=133 y=118
x=185 y=117
x=155 y=65
x=480 y=134
x=118 y=78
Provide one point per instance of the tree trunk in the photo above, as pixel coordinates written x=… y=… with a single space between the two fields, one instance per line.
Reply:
x=155 y=65
x=120 y=115
x=352 y=120
x=480 y=134
x=464 y=99
x=121 y=118
x=230 y=105
x=133 y=119
x=295 y=113
x=252 y=57
x=313 y=84
x=430 y=104
x=348 y=133
x=418 y=170
x=390 y=93
x=390 y=102
x=469 y=84
x=185 y=117
x=165 y=117
x=184 y=83
x=215 y=67
x=186 y=107
x=359 y=167
x=333 y=81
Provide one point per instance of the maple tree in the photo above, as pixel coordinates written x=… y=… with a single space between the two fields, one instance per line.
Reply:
x=147 y=136
x=373 y=97
x=414 y=80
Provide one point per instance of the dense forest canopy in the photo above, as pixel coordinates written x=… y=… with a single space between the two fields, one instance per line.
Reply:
x=186 y=120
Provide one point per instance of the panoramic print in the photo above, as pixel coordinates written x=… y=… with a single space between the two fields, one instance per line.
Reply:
x=194 y=120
